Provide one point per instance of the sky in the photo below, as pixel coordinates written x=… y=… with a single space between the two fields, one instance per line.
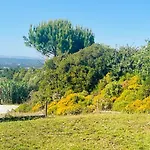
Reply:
x=114 y=22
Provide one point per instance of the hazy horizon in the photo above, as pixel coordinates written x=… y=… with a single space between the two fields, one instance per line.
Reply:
x=22 y=57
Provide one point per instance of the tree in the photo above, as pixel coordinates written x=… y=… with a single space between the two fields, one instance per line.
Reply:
x=57 y=37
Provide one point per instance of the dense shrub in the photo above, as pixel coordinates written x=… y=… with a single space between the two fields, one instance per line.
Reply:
x=24 y=108
x=78 y=72
x=13 y=92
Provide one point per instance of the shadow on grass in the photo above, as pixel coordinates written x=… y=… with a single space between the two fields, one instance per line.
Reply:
x=8 y=117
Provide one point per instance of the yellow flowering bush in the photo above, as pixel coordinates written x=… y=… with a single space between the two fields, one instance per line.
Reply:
x=123 y=95
x=73 y=103
x=36 y=107
x=140 y=106
x=134 y=106
x=52 y=107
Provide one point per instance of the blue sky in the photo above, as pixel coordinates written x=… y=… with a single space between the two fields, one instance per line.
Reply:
x=112 y=21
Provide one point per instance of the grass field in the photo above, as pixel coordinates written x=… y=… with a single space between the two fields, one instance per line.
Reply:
x=82 y=132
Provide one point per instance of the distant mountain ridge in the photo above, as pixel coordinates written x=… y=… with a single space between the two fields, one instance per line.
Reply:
x=21 y=57
x=18 y=61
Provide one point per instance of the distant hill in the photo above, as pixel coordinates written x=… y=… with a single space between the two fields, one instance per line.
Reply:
x=12 y=62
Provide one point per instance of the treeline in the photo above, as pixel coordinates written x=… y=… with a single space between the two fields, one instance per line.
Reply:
x=97 y=77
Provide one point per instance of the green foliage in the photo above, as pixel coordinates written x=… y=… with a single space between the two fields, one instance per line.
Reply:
x=124 y=61
x=8 y=73
x=108 y=80
x=25 y=107
x=142 y=62
x=113 y=89
x=13 y=92
x=95 y=78
x=78 y=72
x=57 y=37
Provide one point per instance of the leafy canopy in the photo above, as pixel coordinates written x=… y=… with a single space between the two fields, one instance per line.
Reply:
x=57 y=37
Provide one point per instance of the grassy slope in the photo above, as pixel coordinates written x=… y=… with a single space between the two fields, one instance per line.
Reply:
x=83 y=132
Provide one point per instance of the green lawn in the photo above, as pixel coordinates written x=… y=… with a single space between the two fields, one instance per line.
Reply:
x=83 y=132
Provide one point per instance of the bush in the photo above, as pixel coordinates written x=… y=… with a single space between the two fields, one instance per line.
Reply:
x=24 y=108
x=139 y=106
x=113 y=89
x=52 y=108
x=37 y=107
x=74 y=103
